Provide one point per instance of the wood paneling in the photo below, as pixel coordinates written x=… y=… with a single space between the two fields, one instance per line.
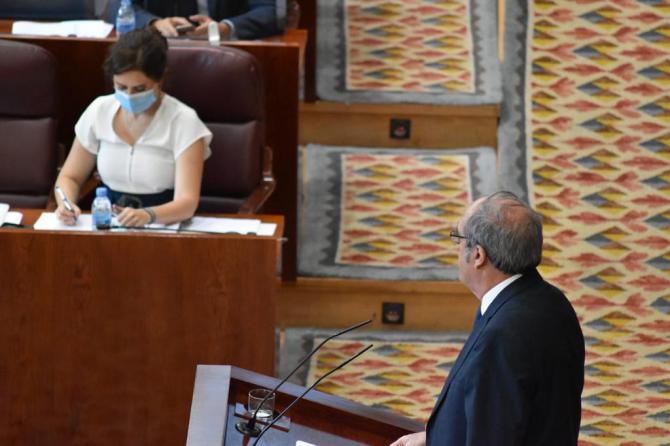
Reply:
x=100 y=333
x=367 y=125
x=331 y=303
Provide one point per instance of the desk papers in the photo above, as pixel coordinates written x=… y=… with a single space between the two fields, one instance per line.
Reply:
x=12 y=218
x=6 y=216
x=223 y=225
x=78 y=28
x=267 y=229
x=49 y=222
x=243 y=226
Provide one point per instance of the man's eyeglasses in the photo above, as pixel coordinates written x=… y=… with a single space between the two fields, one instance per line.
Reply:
x=456 y=237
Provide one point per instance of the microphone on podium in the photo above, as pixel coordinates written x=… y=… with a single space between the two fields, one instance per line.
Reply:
x=281 y=414
x=249 y=428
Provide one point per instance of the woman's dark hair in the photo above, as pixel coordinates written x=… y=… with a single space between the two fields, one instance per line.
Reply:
x=142 y=49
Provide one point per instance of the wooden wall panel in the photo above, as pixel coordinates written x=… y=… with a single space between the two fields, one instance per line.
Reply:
x=330 y=303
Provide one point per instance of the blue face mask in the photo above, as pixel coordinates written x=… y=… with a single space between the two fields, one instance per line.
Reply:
x=136 y=103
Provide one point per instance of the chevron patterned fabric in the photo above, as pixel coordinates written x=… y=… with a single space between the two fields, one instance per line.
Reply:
x=398 y=210
x=404 y=377
x=409 y=45
x=407 y=51
x=593 y=126
x=386 y=213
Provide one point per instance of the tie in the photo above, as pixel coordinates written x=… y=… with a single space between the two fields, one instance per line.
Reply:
x=478 y=316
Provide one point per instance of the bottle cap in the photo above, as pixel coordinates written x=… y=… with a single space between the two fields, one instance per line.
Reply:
x=101 y=192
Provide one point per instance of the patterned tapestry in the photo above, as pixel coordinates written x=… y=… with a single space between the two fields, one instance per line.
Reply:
x=409 y=46
x=584 y=135
x=404 y=377
x=407 y=51
x=386 y=214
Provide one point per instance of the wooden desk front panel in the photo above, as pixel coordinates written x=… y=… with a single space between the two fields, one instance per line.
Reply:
x=100 y=334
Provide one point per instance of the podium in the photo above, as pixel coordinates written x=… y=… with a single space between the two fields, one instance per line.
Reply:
x=101 y=332
x=319 y=419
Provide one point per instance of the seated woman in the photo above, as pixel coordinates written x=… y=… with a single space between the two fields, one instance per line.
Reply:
x=148 y=147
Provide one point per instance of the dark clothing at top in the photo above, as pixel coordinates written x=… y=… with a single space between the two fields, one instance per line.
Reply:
x=252 y=19
x=519 y=378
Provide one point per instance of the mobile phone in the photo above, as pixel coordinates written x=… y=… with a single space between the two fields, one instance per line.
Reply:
x=183 y=29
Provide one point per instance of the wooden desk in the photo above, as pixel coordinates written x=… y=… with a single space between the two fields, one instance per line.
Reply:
x=101 y=332
x=320 y=419
x=82 y=80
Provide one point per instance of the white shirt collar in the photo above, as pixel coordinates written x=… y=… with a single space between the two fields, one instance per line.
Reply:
x=491 y=294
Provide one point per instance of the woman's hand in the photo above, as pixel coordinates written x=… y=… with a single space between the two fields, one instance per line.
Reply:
x=131 y=217
x=68 y=217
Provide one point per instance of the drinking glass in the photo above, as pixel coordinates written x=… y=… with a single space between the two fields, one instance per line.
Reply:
x=256 y=396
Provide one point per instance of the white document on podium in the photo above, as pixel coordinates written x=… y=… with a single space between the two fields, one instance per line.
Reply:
x=302 y=443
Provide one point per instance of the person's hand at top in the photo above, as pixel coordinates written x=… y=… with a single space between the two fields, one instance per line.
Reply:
x=168 y=26
x=203 y=22
x=417 y=439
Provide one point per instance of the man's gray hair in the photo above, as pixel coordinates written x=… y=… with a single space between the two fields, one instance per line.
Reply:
x=509 y=231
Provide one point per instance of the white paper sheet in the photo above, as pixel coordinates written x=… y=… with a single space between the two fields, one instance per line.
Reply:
x=223 y=225
x=49 y=222
x=302 y=443
x=267 y=229
x=162 y=227
x=4 y=208
x=6 y=216
x=79 y=28
x=13 y=218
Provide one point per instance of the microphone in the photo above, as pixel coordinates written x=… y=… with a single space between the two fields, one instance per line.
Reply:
x=281 y=414
x=249 y=428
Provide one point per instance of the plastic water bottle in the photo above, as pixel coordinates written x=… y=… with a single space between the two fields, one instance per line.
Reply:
x=125 y=18
x=101 y=209
x=213 y=33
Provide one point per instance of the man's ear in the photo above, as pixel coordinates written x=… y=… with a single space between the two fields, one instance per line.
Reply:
x=480 y=257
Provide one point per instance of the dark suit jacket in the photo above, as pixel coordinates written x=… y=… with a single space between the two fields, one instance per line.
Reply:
x=519 y=378
x=252 y=19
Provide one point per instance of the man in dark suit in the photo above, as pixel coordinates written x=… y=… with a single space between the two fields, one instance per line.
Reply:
x=519 y=378
x=237 y=19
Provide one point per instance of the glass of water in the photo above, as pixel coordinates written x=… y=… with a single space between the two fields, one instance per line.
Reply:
x=266 y=410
